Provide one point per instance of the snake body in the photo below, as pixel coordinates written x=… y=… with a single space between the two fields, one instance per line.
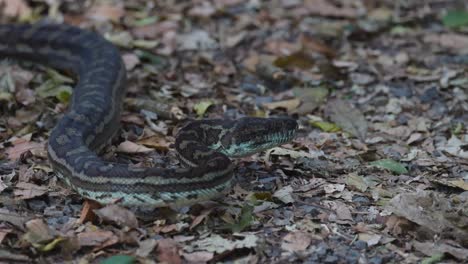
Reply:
x=93 y=118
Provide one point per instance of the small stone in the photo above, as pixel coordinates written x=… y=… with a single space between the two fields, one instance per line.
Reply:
x=360 y=244
x=375 y=260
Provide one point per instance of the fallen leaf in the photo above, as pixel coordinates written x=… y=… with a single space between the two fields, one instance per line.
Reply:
x=119 y=215
x=157 y=141
x=168 y=252
x=95 y=238
x=12 y=218
x=131 y=60
x=87 y=213
x=131 y=147
x=289 y=105
x=327 y=8
x=10 y=257
x=199 y=218
x=348 y=118
x=331 y=188
x=427 y=209
x=311 y=98
x=4 y=232
x=244 y=220
x=294 y=154
x=453 y=41
x=119 y=259
x=38 y=232
x=201 y=107
x=284 y=194
x=104 y=12
x=370 y=239
x=455 y=18
x=14 y=153
x=430 y=248
x=390 y=165
x=217 y=244
x=325 y=126
x=296 y=60
x=455 y=146
x=196 y=40
x=24 y=190
x=296 y=241
x=204 y=9
x=145 y=247
x=15 y=8
x=198 y=256
x=357 y=182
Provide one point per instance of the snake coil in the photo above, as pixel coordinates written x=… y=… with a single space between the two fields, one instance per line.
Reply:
x=94 y=116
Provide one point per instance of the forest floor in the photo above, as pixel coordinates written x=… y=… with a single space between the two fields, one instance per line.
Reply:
x=378 y=172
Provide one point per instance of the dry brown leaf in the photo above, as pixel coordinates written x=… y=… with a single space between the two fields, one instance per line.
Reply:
x=131 y=60
x=456 y=42
x=348 y=118
x=296 y=241
x=289 y=105
x=282 y=48
x=146 y=247
x=4 y=231
x=131 y=147
x=25 y=190
x=369 y=238
x=22 y=146
x=133 y=119
x=311 y=44
x=398 y=225
x=14 y=8
x=156 y=141
x=327 y=8
x=156 y=30
x=198 y=256
x=168 y=251
x=431 y=248
x=87 y=213
x=95 y=238
x=38 y=232
x=119 y=215
x=425 y=208
x=199 y=218
x=25 y=96
x=105 y=12
x=12 y=218
x=204 y=9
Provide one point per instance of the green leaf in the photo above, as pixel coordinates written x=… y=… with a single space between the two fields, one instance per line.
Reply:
x=50 y=246
x=51 y=88
x=119 y=259
x=58 y=77
x=325 y=126
x=436 y=258
x=64 y=93
x=298 y=60
x=146 y=21
x=245 y=220
x=455 y=18
x=390 y=165
x=201 y=107
x=152 y=58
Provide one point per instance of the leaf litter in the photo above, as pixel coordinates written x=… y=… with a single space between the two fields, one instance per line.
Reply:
x=377 y=173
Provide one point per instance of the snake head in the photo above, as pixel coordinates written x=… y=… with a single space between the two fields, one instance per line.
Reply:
x=250 y=135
